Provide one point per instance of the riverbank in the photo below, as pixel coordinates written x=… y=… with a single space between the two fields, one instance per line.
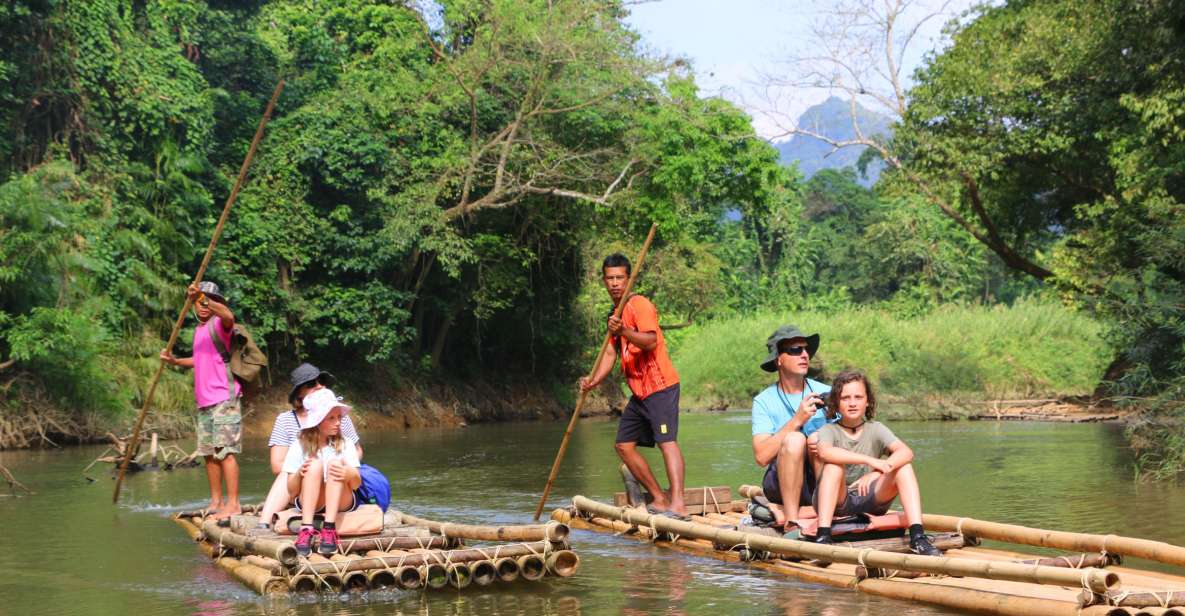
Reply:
x=951 y=361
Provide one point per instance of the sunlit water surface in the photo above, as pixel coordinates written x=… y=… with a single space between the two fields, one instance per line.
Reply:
x=68 y=550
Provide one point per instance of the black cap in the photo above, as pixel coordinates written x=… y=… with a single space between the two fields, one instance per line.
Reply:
x=304 y=374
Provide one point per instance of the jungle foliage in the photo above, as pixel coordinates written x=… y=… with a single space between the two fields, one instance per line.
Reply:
x=439 y=184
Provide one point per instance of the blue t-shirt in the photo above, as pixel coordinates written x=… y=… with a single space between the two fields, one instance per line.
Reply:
x=773 y=408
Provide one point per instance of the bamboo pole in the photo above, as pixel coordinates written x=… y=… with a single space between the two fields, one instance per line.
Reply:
x=332 y=576
x=386 y=544
x=417 y=559
x=563 y=563
x=282 y=551
x=271 y=565
x=551 y=531
x=1096 y=580
x=1074 y=542
x=351 y=580
x=460 y=575
x=130 y=450
x=531 y=567
x=484 y=572
x=559 y=456
x=435 y=576
x=508 y=570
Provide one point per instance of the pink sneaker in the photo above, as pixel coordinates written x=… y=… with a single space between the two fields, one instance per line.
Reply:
x=304 y=541
x=328 y=545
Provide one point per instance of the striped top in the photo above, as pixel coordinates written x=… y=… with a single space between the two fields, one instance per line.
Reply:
x=286 y=430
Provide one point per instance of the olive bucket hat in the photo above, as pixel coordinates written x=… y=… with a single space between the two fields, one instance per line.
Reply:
x=304 y=374
x=211 y=290
x=786 y=332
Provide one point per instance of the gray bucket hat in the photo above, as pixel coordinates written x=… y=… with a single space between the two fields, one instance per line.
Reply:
x=211 y=290
x=304 y=374
x=786 y=332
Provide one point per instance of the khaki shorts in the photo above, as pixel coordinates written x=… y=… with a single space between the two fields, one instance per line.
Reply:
x=220 y=429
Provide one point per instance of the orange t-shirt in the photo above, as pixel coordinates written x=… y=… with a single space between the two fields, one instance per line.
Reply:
x=645 y=371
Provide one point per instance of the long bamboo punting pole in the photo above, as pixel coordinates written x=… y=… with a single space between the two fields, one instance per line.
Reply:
x=551 y=531
x=559 y=456
x=417 y=559
x=1074 y=542
x=282 y=551
x=1096 y=580
x=130 y=451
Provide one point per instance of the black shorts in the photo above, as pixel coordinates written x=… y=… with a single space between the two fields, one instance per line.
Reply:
x=651 y=421
x=773 y=492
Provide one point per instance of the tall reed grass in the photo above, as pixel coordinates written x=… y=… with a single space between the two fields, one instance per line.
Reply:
x=1031 y=349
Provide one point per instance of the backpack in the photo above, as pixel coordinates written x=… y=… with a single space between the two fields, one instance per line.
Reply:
x=375 y=488
x=244 y=361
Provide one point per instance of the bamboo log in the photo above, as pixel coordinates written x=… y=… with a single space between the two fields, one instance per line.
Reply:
x=202 y=513
x=416 y=559
x=331 y=576
x=1119 y=598
x=303 y=583
x=508 y=570
x=363 y=545
x=435 y=576
x=977 y=601
x=282 y=551
x=484 y=572
x=270 y=565
x=460 y=575
x=563 y=563
x=531 y=567
x=1074 y=542
x=1097 y=580
x=551 y=531
x=351 y=580
x=252 y=577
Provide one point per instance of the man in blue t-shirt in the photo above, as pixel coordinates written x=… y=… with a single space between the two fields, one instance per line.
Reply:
x=785 y=415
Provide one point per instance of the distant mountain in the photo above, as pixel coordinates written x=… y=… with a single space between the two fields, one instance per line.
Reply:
x=833 y=119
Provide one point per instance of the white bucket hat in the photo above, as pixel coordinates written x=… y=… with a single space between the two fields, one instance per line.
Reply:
x=318 y=404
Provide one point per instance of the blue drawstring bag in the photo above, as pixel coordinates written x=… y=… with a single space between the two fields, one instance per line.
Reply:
x=375 y=488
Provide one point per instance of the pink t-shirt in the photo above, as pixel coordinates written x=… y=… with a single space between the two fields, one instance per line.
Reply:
x=209 y=371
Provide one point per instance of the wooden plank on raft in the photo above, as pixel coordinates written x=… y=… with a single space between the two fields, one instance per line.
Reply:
x=715 y=499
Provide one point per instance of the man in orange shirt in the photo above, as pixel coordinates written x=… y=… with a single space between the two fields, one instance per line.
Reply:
x=652 y=415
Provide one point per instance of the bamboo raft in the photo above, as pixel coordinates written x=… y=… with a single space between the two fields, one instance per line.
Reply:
x=1087 y=580
x=408 y=553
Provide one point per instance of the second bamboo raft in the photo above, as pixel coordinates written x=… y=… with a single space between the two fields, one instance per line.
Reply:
x=968 y=577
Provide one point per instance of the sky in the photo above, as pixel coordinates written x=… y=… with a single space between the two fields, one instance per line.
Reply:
x=731 y=43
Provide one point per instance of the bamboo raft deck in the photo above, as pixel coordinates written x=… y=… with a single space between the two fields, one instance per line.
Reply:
x=408 y=553
x=968 y=577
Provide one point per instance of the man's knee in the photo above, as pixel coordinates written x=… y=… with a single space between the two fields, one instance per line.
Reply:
x=793 y=445
x=625 y=448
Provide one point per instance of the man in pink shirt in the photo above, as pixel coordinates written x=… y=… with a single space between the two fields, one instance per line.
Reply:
x=219 y=416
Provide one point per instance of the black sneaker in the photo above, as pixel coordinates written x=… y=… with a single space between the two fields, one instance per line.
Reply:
x=923 y=547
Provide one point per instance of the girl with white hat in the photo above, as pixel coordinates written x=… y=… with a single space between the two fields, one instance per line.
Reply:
x=322 y=468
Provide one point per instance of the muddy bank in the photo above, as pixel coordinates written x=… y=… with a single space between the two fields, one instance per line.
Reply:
x=422 y=405
x=435 y=405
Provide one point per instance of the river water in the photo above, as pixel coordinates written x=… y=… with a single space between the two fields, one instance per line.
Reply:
x=68 y=550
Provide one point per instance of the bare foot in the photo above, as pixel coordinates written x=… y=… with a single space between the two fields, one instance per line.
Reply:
x=228 y=510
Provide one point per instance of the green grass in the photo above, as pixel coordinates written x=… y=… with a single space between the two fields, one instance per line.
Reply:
x=1029 y=350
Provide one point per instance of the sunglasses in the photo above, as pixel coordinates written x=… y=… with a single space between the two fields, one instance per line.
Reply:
x=793 y=350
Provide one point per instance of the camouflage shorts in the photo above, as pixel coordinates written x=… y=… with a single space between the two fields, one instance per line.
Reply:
x=220 y=429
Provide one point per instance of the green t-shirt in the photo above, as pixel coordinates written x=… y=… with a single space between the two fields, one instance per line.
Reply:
x=873 y=442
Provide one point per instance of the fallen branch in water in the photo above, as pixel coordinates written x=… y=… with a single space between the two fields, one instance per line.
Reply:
x=13 y=484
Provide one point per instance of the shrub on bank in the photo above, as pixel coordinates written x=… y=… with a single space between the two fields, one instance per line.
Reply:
x=1030 y=349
